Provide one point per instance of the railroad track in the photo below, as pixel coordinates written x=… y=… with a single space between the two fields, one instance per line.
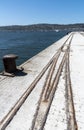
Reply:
x=48 y=91
x=72 y=123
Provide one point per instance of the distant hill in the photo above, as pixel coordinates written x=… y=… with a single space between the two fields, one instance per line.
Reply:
x=45 y=27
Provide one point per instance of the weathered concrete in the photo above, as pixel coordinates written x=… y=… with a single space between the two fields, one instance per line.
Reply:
x=34 y=75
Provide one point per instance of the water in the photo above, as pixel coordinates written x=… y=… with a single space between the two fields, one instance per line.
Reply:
x=26 y=44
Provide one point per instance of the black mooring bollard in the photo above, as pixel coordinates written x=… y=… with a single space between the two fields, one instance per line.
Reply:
x=9 y=63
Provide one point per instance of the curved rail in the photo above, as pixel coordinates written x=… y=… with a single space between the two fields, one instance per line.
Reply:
x=49 y=91
x=5 y=121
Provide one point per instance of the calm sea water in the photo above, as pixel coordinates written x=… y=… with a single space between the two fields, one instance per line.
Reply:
x=26 y=44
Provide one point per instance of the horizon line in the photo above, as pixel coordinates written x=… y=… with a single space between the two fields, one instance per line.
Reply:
x=40 y=24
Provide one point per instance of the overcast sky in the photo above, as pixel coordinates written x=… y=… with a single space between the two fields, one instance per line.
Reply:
x=25 y=12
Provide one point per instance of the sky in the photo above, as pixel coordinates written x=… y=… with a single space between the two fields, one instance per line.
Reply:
x=27 y=12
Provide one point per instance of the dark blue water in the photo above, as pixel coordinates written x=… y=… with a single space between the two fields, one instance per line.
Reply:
x=26 y=44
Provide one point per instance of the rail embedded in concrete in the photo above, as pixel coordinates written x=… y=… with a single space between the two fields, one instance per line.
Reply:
x=31 y=93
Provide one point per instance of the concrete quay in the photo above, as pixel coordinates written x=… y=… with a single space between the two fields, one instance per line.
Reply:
x=48 y=93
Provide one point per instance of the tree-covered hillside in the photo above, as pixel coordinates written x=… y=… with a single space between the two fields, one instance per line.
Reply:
x=45 y=27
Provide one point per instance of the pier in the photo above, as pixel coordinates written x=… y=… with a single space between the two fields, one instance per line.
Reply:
x=47 y=91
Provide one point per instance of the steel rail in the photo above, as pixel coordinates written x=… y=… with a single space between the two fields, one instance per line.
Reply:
x=72 y=123
x=6 y=120
x=44 y=106
x=48 y=84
